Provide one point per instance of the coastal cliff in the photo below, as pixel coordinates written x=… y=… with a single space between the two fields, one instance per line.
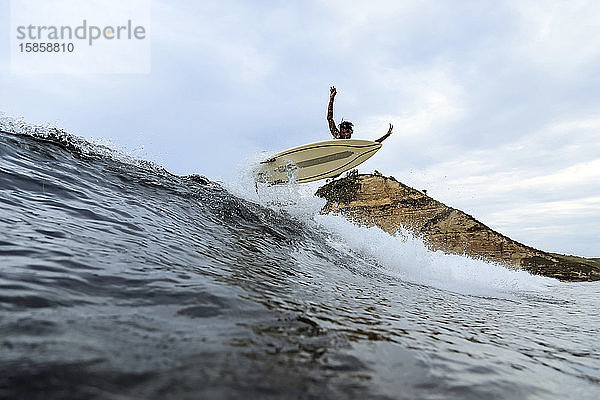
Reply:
x=374 y=200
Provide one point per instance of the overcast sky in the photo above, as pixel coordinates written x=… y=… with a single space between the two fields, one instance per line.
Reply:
x=495 y=104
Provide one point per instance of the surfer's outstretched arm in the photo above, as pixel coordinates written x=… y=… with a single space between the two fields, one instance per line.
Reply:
x=389 y=132
x=332 y=128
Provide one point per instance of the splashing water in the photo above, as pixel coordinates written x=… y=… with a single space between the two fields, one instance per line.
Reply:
x=120 y=279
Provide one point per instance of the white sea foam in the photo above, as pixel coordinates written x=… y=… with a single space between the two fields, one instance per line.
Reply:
x=90 y=147
x=402 y=256
x=408 y=258
x=298 y=201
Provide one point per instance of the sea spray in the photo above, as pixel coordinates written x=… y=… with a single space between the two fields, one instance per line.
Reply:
x=408 y=258
x=403 y=255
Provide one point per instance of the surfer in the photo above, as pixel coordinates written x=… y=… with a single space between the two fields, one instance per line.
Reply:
x=345 y=130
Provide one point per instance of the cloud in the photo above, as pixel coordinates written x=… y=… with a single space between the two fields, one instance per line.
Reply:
x=219 y=36
x=548 y=178
x=557 y=38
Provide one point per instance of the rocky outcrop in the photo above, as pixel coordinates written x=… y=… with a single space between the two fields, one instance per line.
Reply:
x=374 y=200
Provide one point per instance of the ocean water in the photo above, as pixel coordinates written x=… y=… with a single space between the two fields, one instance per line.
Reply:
x=119 y=280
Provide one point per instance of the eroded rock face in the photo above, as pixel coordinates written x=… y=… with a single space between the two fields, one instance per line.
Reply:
x=374 y=200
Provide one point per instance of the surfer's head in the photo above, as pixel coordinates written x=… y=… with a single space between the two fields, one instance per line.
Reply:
x=346 y=129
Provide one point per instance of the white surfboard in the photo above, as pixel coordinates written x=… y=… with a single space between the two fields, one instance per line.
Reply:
x=315 y=161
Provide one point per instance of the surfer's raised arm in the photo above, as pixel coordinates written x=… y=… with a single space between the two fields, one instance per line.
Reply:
x=346 y=127
x=389 y=132
x=334 y=130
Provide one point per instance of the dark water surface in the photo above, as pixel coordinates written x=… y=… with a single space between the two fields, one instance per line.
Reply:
x=119 y=280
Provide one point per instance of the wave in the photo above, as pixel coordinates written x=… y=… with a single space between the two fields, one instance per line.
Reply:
x=120 y=277
x=402 y=256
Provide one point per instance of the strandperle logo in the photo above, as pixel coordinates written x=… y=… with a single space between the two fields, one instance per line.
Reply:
x=85 y=31
x=80 y=36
